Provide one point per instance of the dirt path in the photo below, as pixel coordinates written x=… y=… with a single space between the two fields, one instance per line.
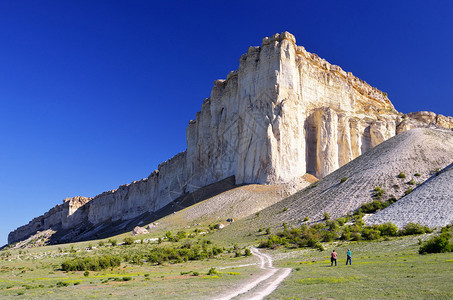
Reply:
x=260 y=286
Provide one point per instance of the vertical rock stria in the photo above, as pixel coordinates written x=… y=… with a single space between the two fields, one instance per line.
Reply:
x=285 y=112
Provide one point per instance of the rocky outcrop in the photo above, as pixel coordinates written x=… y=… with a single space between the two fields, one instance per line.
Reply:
x=139 y=230
x=63 y=216
x=285 y=112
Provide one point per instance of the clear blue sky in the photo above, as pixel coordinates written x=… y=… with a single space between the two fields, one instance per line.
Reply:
x=95 y=94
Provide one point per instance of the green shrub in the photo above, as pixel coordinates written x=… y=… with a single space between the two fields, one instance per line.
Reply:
x=113 y=242
x=101 y=243
x=356 y=236
x=86 y=273
x=326 y=216
x=61 y=284
x=345 y=236
x=413 y=228
x=181 y=235
x=372 y=207
x=94 y=263
x=212 y=271
x=342 y=220
x=183 y=253
x=128 y=240
x=408 y=191
x=247 y=252
x=306 y=219
x=370 y=233
x=411 y=182
x=319 y=246
x=388 y=229
x=417 y=174
x=401 y=175
x=268 y=231
x=343 y=179
x=392 y=200
x=378 y=192
x=329 y=236
x=195 y=273
x=438 y=244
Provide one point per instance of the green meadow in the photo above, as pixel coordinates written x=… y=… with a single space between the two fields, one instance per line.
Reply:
x=387 y=268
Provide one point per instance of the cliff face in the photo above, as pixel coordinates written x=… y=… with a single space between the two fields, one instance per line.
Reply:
x=285 y=112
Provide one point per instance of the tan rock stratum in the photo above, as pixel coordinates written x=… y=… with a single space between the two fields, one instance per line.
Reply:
x=285 y=112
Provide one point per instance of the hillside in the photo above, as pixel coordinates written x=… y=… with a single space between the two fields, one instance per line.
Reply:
x=235 y=204
x=418 y=151
x=430 y=204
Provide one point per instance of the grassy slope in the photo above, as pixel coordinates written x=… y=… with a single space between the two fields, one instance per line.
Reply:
x=384 y=269
x=381 y=269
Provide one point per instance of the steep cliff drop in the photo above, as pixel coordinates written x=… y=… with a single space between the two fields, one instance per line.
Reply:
x=285 y=112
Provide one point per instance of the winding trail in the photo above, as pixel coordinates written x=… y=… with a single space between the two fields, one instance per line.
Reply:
x=261 y=286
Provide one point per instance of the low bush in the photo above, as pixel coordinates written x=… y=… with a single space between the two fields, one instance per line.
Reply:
x=401 y=175
x=378 y=192
x=388 y=229
x=413 y=229
x=370 y=233
x=437 y=244
x=181 y=254
x=94 y=263
x=62 y=283
x=372 y=207
x=128 y=240
x=331 y=230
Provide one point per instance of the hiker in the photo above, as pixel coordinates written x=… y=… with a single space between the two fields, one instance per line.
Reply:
x=348 y=257
x=333 y=258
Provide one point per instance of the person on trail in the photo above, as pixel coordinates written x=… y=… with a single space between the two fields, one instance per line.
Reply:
x=333 y=258
x=348 y=257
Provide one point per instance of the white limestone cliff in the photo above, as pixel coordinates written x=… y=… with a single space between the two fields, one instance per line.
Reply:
x=285 y=112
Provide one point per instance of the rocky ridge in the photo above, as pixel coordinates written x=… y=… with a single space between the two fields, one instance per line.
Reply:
x=285 y=112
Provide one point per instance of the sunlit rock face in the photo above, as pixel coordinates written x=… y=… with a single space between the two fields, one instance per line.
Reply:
x=283 y=113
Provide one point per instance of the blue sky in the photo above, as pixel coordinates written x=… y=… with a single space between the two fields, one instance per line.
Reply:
x=95 y=94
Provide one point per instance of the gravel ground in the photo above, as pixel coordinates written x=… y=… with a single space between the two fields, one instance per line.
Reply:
x=431 y=204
